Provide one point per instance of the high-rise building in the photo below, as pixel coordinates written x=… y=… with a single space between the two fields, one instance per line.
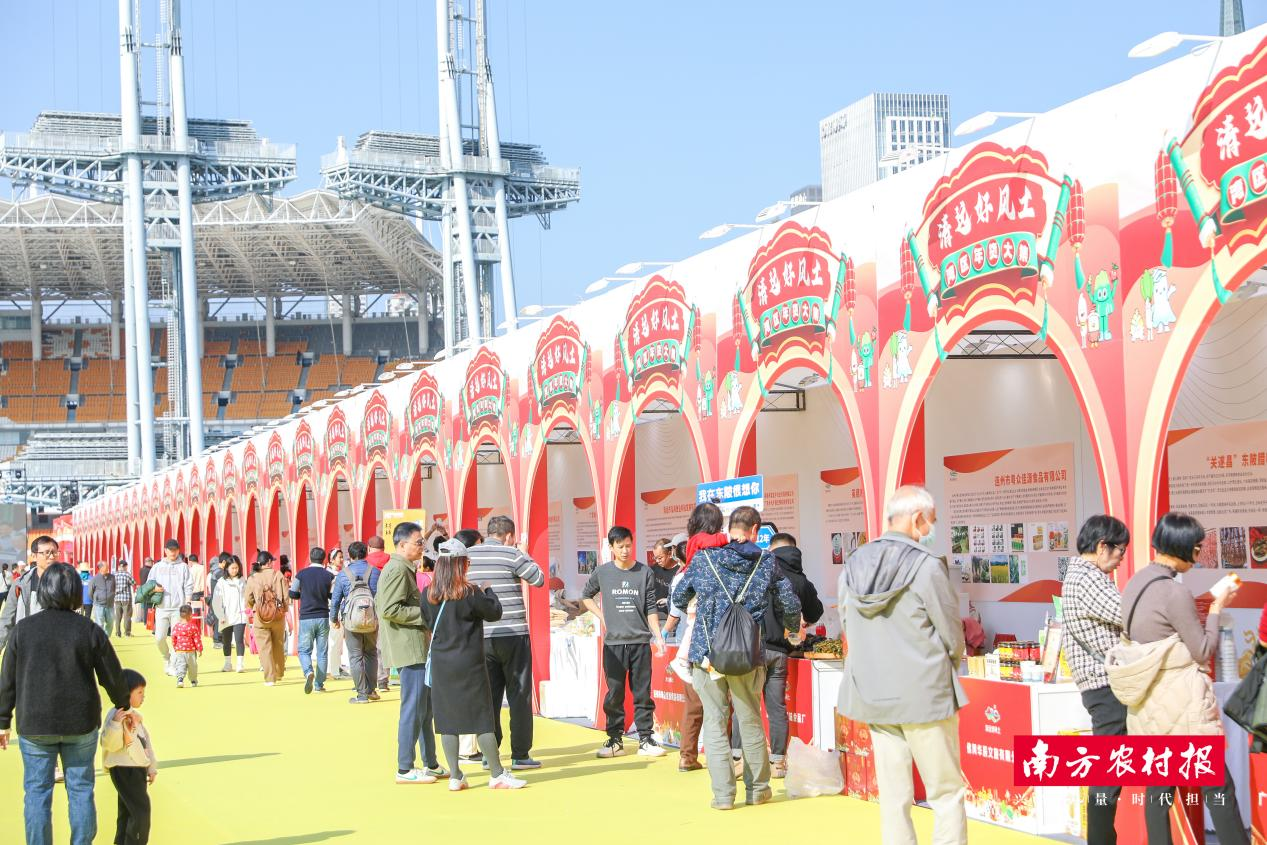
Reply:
x=879 y=135
x=1231 y=17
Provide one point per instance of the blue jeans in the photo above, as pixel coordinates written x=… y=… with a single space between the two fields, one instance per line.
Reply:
x=103 y=615
x=415 y=729
x=39 y=759
x=314 y=633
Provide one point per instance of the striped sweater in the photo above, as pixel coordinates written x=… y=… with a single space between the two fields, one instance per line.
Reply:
x=505 y=569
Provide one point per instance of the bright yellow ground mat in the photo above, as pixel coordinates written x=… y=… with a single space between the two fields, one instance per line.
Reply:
x=246 y=764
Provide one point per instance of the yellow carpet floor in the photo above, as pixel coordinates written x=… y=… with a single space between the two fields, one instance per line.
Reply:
x=246 y=764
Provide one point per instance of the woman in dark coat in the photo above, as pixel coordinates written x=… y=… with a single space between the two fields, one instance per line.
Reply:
x=455 y=612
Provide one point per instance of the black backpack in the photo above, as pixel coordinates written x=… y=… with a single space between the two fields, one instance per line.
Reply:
x=736 y=646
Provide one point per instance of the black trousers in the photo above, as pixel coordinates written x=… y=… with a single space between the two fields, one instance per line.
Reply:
x=1108 y=718
x=634 y=662
x=509 y=664
x=234 y=636
x=133 y=827
x=1219 y=800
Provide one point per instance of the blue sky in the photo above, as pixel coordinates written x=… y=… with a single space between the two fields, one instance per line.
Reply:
x=680 y=114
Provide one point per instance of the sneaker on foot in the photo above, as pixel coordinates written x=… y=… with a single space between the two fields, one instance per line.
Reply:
x=384 y=686
x=193 y=683
x=308 y=682
x=613 y=747
x=718 y=804
x=320 y=689
x=507 y=781
x=524 y=763
x=373 y=696
x=358 y=699
x=437 y=771
x=778 y=769
x=650 y=748
x=415 y=776
x=269 y=684
x=484 y=764
x=457 y=784
x=765 y=796
x=689 y=767
x=228 y=665
x=179 y=684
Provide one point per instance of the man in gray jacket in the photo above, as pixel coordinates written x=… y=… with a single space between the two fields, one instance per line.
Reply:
x=900 y=616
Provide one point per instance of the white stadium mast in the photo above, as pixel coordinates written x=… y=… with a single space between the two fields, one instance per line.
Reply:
x=465 y=177
x=154 y=169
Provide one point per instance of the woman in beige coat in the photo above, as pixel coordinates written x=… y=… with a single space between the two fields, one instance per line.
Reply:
x=1161 y=675
x=268 y=595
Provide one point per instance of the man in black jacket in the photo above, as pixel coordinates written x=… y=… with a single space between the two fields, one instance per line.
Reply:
x=777 y=648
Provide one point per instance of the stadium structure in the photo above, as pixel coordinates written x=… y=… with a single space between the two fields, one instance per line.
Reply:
x=254 y=305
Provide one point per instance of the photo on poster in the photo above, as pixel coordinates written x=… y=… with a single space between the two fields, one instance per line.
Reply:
x=1258 y=547
x=837 y=548
x=999 y=538
x=586 y=562
x=978 y=541
x=1062 y=568
x=1233 y=553
x=1057 y=536
x=1000 y=569
x=965 y=567
x=958 y=539
x=1018 y=536
x=1037 y=534
x=980 y=570
x=1209 y=557
x=1016 y=569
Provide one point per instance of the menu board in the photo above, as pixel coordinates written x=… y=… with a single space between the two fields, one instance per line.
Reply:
x=844 y=513
x=1219 y=476
x=1010 y=514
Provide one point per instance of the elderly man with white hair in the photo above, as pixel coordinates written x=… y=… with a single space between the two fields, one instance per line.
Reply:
x=900 y=617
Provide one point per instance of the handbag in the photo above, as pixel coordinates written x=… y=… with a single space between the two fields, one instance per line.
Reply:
x=1247 y=706
x=426 y=678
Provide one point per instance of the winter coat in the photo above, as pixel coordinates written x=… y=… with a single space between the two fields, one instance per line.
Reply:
x=900 y=617
x=229 y=602
x=1163 y=688
x=788 y=561
x=401 y=634
x=734 y=564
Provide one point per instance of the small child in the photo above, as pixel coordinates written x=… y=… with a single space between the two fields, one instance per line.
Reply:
x=187 y=645
x=128 y=756
x=630 y=625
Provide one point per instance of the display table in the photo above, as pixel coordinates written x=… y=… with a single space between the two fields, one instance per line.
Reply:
x=573 y=686
x=997 y=712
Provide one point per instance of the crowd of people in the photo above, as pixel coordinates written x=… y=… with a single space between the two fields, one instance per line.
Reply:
x=448 y=615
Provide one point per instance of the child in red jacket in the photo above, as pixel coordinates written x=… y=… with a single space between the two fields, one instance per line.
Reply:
x=186 y=645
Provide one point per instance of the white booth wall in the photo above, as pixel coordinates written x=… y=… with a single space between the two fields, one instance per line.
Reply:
x=568 y=478
x=980 y=405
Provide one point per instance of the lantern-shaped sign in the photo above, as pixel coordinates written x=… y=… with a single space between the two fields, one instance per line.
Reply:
x=847 y=280
x=1166 y=190
x=1077 y=226
x=908 y=281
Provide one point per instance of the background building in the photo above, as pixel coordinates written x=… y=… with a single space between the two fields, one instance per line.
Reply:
x=854 y=141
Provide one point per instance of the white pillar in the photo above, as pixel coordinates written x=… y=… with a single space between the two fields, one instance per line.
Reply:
x=424 y=321
x=129 y=351
x=114 y=322
x=134 y=208
x=191 y=322
x=37 y=324
x=270 y=326
x=347 y=324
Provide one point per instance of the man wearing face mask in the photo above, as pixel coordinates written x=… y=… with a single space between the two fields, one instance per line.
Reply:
x=1092 y=613
x=900 y=616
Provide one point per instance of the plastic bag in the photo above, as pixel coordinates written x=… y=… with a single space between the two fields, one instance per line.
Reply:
x=812 y=772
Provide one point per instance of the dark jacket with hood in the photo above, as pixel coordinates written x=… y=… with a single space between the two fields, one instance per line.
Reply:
x=788 y=561
x=900 y=616
x=735 y=564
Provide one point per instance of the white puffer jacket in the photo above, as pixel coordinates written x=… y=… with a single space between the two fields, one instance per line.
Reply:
x=1163 y=688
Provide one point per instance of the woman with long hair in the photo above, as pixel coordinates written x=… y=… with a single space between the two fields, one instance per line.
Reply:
x=228 y=600
x=455 y=611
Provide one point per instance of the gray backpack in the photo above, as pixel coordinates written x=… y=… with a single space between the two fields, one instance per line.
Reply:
x=358 y=614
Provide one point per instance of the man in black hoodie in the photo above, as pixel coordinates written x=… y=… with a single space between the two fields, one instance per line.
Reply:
x=777 y=648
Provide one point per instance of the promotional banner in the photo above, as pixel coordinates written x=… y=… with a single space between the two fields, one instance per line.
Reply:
x=732 y=493
x=989 y=725
x=392 y=518
x=664 y=513
x=783 y=503
x=844 y=517
x=1011 y=518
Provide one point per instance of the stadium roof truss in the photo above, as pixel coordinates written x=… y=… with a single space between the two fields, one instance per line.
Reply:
x=313 y=244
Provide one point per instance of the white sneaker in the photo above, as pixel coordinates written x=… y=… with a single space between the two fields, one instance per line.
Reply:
x=650 y=748
x=269 y=684
x=457 y=784
x=228 y=665
x=613 y=747
x=415 y=776
x=238 y=664
x=507 y=781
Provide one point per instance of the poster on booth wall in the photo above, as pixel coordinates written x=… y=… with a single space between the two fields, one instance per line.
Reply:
x=783 y=503
x=392 y=518
x=1010 y=514
x=731 y=493
x=585 y=522
x=1219 y=475
x=664 y=514
x=844 y=518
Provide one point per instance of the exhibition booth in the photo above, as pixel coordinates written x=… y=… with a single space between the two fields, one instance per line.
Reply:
x=1038 y=327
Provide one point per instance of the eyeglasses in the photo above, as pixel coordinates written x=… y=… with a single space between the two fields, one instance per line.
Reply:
x=47 y=552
